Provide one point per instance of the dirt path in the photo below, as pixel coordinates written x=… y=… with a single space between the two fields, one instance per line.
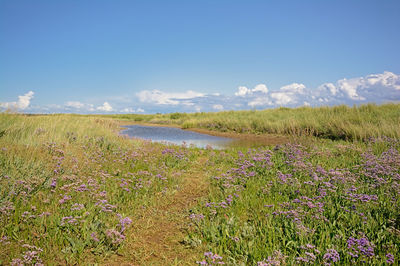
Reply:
x=157 y=234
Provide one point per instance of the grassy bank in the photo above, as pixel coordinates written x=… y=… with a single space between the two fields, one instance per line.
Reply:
x=72 y=191
x=70 y=188
x=338 y=122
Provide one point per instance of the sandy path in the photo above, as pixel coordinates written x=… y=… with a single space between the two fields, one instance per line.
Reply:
x=157 y=234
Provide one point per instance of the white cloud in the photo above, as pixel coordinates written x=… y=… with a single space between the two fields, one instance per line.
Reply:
x=218 y=107
x=377 y=88
x=131 y=110
x=159 y=97
x=373 y=88
x=105 y=107
x=349 y=87
x=328 y=87
x=386 y=79
x=261 y=88
x=282 y=98
x=294 y=88
x=259 y=101
x=22 y=103
x=244 y=91
x=128 y=110
x=74 y=104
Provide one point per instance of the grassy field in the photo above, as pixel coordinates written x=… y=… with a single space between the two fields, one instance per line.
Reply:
x=338 y=122
x=73 y=191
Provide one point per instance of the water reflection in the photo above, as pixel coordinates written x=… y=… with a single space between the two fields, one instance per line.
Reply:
x=176 y=136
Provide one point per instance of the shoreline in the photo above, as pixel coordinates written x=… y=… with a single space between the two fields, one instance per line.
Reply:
x=239 y=138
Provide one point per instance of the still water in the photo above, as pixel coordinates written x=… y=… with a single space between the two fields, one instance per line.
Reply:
x=176 y=136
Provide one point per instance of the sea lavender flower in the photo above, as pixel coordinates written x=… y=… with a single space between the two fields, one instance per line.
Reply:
x=44 y=214
x=64 y=199
x=4 y=240
x=390 y=258
x=276 y=259
x=114 y=236
x=211 y=259
x=331 y=255
x=17 y=262
x=53 y=183
x=6 y=208
x=123 y=222
x=77 y=207
x=94 y=237
x=360 y=247
x=70 y=220
x=82 y=188
x=29 y=257
x=105 y=206
x=196 y=217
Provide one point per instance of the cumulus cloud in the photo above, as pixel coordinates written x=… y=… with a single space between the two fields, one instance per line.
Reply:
x=128 y=110
x=328 y=87
x=74 y=104
x=79 y=106
x=105 y=107
x=294 y=88
x=377 y=88
x=22 y=103
x=243 y=91
x=261 y=88
x=259 y=101
x=164 y=98
x=371 y=88
x=282 y=98
x=349 y=87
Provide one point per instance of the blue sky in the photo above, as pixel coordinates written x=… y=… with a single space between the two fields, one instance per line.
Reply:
x=166 y=56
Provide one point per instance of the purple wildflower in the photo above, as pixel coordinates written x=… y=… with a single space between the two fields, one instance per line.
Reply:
x=114 y=236
x=360 y=247
x=331 y=255
x=94 y=237
x=123 y=222
x=77 y=207
x=53 y=183
x=390 y=258
x=211 y=259
x=64 y=199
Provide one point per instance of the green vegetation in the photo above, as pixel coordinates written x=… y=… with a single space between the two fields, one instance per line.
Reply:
x=73 y=191
x=70 y=187
x=317 y=203
x=338 y=122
